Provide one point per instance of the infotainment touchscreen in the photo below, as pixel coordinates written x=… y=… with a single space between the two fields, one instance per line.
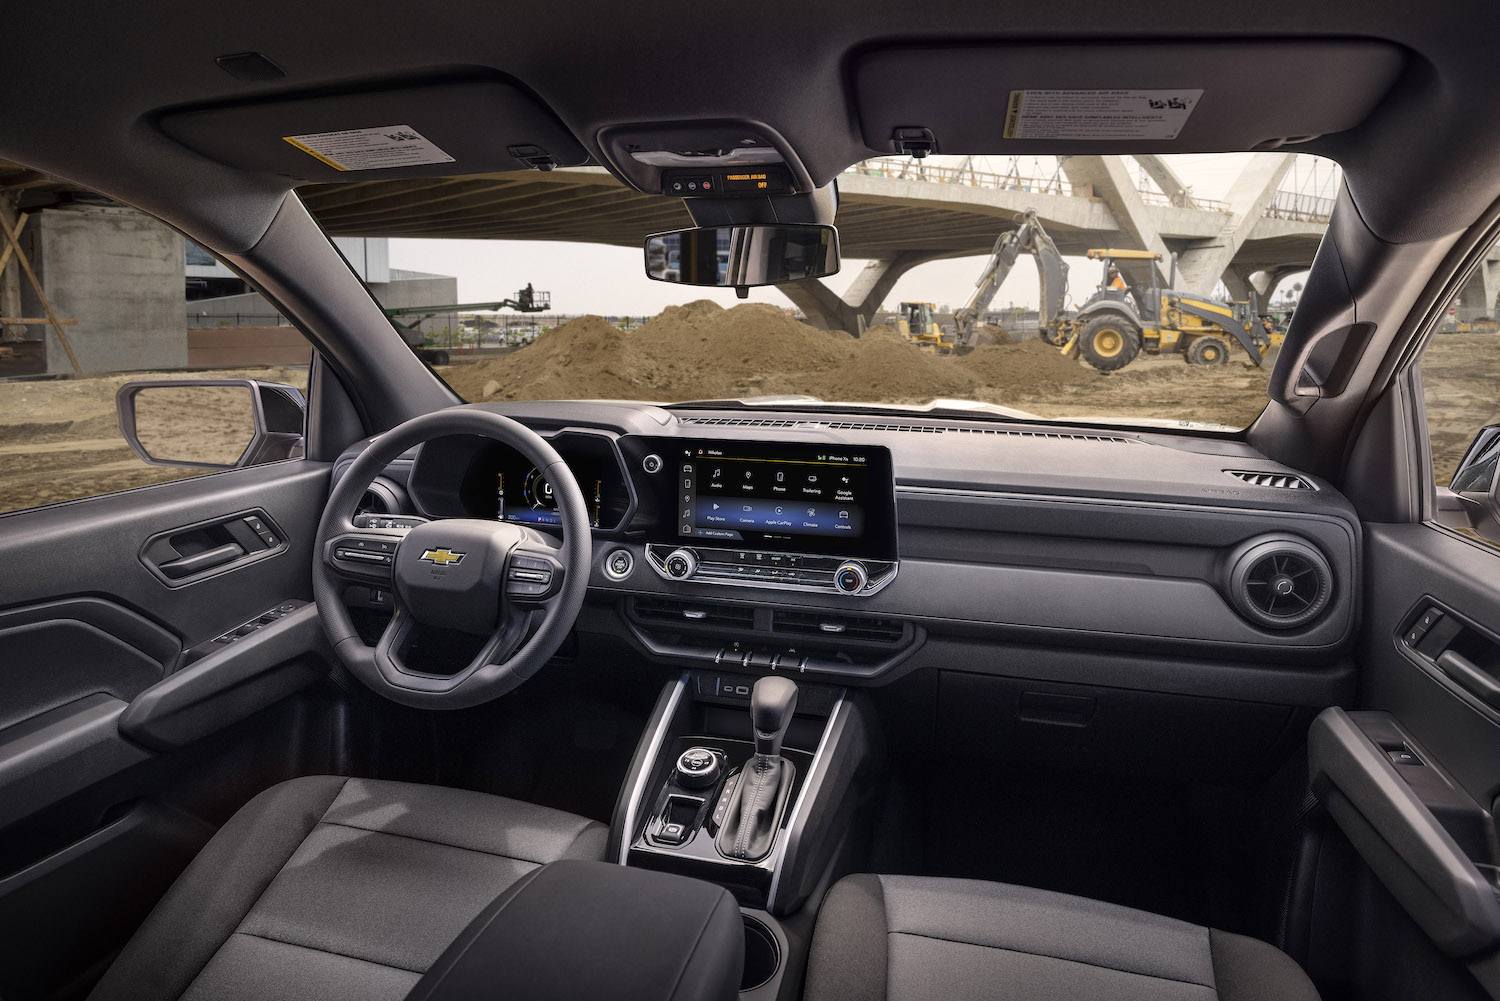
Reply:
x=799 y=498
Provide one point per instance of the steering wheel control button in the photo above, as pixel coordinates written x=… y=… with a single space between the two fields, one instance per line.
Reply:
x=652 y=463
x=531 y=577
x=850 y=578
x=681 y=564
x=697 y=768
x=618 y=564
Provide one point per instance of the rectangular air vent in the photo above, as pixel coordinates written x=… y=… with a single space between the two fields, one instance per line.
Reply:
x=905 y=428
x=696 y=613
x=861 y=628
x=1281 y=481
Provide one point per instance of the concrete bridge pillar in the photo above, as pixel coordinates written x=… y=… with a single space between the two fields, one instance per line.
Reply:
x=119 y=274
x=1111 y=183
x=1478 y=295
x=852 y=312
x=1204 y=264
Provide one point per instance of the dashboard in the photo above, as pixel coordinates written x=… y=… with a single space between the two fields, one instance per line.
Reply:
x=863 y=549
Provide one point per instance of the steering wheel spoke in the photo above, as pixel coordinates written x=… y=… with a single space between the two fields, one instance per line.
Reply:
x=533 y=575
x=364 y=556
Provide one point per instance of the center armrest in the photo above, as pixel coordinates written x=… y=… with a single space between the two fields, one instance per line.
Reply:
x=588 y=930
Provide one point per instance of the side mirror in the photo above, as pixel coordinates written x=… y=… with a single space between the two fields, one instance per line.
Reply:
x=1473 y=499
x=211 y=423
x=743 y=256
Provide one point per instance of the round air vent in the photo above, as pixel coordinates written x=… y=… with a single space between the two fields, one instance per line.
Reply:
x=1280 y=582
x=383 y=497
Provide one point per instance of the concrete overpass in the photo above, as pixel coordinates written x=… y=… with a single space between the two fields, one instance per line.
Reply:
x=896 y=213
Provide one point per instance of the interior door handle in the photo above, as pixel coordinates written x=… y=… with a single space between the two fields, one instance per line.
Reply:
x=198 y=562
x=1469 y=674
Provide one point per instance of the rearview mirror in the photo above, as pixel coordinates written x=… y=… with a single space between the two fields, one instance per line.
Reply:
x=1473 y=499
x=743 y=256
x=210 y=423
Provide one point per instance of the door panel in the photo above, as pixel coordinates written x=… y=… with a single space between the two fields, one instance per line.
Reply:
x=1410 y=563
x=127 y=734
x=1411 y=780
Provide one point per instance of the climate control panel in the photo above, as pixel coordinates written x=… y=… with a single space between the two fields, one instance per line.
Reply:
x=757 y=568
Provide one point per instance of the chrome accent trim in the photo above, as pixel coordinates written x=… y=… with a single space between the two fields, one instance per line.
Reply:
x=792 y=832
x=880 y=573
x=653 y=750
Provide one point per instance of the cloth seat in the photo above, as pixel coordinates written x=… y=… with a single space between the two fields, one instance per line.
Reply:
x=911 y=938
x=327 y=888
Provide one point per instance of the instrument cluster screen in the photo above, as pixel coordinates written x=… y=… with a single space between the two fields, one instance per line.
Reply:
x=527 y=499
x=788 y=497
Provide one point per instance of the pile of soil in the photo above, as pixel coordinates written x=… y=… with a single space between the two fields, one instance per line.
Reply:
x=703 y=351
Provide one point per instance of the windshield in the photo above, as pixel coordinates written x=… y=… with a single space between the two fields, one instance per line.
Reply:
x=1140 y=289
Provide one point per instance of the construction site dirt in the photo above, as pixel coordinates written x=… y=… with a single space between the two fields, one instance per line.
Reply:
x=59 y=439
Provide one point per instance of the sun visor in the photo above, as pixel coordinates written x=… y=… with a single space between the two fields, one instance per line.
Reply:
x=414 y=130
x=1169 y=97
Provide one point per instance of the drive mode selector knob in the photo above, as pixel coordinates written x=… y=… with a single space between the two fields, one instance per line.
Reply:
x=681 y=564
x=850 y=577
x=697 y=768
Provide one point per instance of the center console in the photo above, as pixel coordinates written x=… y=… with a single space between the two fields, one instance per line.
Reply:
x=753 y=784
x=786 y=515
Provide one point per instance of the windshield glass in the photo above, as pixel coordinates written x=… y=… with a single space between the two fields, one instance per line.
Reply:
x=1140 y=289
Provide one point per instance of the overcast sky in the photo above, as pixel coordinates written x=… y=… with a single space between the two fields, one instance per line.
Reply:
x=592 y=278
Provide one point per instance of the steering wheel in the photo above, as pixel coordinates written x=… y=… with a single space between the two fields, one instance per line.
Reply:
x=520 y=588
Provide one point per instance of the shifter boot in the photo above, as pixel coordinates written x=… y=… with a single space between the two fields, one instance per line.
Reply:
x=753 y=817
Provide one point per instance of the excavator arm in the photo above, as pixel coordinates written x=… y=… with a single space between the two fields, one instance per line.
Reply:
x=1052 y=272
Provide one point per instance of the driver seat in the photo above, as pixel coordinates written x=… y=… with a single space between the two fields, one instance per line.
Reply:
x=328 y=888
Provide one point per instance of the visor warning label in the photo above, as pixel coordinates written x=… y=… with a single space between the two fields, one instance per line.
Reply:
x=1098 y=114
x=371 y=149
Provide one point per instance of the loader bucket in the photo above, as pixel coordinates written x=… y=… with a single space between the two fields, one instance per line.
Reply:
x=1268 y=360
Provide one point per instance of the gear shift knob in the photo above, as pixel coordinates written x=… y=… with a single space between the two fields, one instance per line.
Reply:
x=773 y=700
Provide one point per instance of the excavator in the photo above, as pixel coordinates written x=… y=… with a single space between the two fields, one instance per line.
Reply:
x=527 y=300
x=1123 y=318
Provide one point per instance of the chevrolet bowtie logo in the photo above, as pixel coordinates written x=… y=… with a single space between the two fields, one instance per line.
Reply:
x=443 y=557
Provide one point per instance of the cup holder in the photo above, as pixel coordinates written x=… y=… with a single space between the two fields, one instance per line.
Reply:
x=762 y=955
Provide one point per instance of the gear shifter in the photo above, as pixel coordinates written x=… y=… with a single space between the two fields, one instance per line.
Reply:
x=765 y=783
x=772 y=703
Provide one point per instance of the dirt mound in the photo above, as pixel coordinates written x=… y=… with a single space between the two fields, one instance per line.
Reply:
x=992 y=333
x=1028 y=366
x=700 y=351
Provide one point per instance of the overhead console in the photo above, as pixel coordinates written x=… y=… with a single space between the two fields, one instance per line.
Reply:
x=712 y=159
x=1111 y=97
x=808 y=517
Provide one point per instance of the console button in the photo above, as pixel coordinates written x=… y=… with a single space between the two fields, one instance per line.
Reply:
x=673 y=834
x=697 y=768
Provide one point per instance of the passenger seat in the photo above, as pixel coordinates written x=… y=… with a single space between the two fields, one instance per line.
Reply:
x=912 y=938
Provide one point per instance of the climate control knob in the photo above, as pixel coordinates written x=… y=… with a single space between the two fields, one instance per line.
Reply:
x=681 y=564
x=850 y=577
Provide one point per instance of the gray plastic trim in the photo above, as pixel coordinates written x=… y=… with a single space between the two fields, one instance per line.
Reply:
x=1400 y=839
